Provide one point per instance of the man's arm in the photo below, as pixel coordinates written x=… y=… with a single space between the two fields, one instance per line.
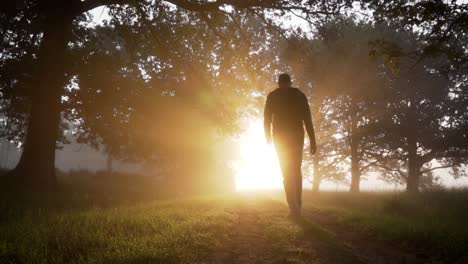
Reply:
x=309 y=126
x=267 y=118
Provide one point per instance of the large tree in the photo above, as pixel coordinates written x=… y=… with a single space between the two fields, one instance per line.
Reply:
x=38 y=37
x=424 y=126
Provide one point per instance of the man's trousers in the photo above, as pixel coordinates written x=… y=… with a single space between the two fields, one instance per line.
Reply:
x=289 y=149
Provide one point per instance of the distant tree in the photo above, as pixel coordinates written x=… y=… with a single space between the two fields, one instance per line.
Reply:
x=429 y=59
x=329 y=162
x=425 y=120
x=410 y=118
x=346 y=82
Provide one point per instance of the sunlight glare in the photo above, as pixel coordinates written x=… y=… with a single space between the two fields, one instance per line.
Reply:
x=258 y=167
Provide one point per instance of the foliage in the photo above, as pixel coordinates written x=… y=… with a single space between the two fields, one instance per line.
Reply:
x=343 y=83
x=441 y=26
x=161 y=82
x=185 y=62
x=418 y=109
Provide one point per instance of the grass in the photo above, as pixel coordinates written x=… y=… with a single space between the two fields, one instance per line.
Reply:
x=182 y=231
x=432 y=224
x=130 y=220
x=126 y=219
x=104 y=219
x=282 y=233
x=84 y=225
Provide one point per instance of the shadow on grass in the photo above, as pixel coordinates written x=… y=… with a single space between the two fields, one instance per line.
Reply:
x=10 y=258
x=142 y=259
x=431 y=225
x=325 y=242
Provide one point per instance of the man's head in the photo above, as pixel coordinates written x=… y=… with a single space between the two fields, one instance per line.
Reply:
x=284 y=80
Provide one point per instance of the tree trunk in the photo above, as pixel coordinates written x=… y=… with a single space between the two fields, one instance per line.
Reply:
x=412 y=184
x=36 y=167
x=414 y=165
x=355 y=171
x=109 y=163
x=317 y=177
x=354 y=145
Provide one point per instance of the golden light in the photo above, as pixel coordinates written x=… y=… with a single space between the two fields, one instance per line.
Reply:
x=258 y=167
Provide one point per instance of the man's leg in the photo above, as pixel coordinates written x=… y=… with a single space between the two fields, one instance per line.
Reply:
x=290 y=189
x=297 y=176
x=299 y=191
x=289 y=182
x=292 y=179
x=284 y=159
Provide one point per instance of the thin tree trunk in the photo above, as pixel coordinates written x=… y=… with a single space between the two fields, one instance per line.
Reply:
x=317 y=177
x=355 y=171
x=414 y=166
x=412 y=184
x=354 y=144
x=36 y=167
x=109 y=163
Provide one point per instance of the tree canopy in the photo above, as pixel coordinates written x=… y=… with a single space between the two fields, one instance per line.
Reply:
x=162 y=81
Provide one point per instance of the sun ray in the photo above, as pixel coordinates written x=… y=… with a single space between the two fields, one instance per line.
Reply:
x=258 y=167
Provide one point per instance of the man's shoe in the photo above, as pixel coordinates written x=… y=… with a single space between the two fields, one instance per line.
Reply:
x=298 y=212
x=295 y=212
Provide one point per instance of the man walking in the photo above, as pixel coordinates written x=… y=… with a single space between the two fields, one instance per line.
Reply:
x=286 y=112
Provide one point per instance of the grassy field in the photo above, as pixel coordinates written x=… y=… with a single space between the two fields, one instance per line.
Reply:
x=433 y=225
x=159 y=232
x=122 y=224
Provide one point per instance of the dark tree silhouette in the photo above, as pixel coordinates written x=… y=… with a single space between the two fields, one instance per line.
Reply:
x=38 y=36
x=405 y=120
x=442 y=27
x=421 y=124
x=347 y=82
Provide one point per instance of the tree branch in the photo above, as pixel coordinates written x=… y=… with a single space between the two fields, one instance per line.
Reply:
x=378 y=164
x=437 y=168
x=91 y=4
x=193 y=5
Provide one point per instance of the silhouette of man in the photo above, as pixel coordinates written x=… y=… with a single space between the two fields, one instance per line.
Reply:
x=286 y=112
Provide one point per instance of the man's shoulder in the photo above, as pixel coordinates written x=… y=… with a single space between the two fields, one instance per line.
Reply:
x=299 y=92
x=293 y=90
x=273 y=93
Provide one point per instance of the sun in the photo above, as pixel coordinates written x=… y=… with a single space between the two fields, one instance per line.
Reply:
x=258 y=167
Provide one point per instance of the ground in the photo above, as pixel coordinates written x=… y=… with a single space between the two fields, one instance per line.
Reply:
x=233 y=228
x=263 y=233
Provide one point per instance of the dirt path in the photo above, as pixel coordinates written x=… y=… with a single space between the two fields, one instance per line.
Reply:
x=319 y=239
x=246 y=243
x=256 y=237
x=261 y=233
